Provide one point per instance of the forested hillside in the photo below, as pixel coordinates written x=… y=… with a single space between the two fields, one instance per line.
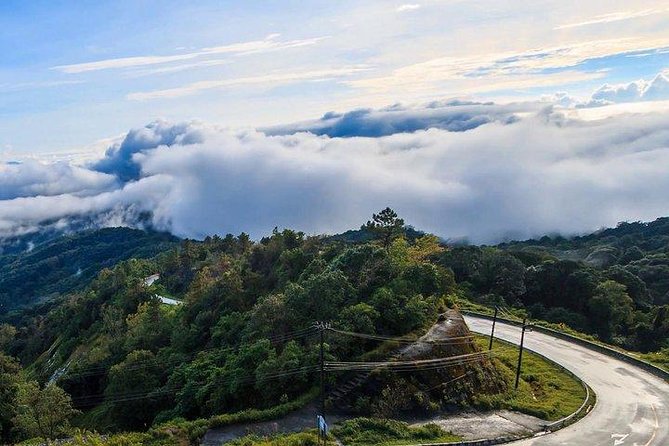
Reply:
x=54 y=267
x=227 y=324
x=243 y=335
x=613 y=283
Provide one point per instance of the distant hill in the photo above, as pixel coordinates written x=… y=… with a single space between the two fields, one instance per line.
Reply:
x=627 y=242
x=364 y=235
x=613 y=283
x=43 y=269
x=640 y=248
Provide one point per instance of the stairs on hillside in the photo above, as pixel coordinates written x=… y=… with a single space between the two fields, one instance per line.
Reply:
x=340 y=392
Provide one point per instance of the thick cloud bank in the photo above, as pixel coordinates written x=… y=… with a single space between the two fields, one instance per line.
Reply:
x=528 y=173
x=454 y=116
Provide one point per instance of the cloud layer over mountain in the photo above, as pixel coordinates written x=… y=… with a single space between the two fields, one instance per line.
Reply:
x=454 y=116
x=519 y=171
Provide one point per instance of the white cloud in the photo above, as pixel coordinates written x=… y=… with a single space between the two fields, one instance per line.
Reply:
x=523 y=69
x=268 y=44
x=641 y=90
x=181 y=67
x=614 y=17
x=408 y=7
x=33 y=178
x=542 y=173
x=656 y=89
x=271 y=79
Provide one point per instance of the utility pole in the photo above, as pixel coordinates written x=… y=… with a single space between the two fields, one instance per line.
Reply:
x=322 y=425
x=520 y=354
x=492 y=333
x=322 y=361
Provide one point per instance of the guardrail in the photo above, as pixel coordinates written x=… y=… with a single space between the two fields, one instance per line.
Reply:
x=489 y=442
x=559 y=424
x=647 y=366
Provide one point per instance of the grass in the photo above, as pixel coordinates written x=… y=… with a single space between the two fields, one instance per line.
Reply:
x=356 y=432
x=84 y=438
x=180 y=432
x=373 y=431
x=196 y=429
x=308 y=438
x=545 y=390
x=660 y=359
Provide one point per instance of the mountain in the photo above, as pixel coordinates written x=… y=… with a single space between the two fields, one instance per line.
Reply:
x=640 y=248
x=227 y=324
x=363 y=235
x=48 y=268
x=613 y=283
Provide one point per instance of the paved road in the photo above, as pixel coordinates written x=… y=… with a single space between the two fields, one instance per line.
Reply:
x=632 y=407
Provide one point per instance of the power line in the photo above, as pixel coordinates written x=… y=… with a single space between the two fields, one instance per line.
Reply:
x=131 y=396
x=450 y=341
x=422 y=364
x=396 y=366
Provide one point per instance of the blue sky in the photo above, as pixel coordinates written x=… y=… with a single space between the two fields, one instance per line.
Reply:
x=76 y=72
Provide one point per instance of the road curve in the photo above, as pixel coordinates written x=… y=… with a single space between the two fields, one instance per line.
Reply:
x=632 y=405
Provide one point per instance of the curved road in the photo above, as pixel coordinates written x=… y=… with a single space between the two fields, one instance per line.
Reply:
x=632 y=405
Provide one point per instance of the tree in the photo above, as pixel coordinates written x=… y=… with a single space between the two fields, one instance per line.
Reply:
x=9 y=385
x=7 y=333
x=611 y=308
x=386 y=225
x=636 y=287
x=320 y=297
x=137 y=375
x=426 y=247
x=43 y=412
x=500 y=273
x=150 y=327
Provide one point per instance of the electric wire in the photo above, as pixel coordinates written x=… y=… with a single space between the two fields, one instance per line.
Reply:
x=449 y=341
x=119 y=397
x=397 y=366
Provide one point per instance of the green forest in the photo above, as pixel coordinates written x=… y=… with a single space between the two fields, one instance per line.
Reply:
x=613 y=284
x=237 y=336
x=44 y=271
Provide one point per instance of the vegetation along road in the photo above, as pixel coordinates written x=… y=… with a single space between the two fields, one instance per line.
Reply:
x=632 y=405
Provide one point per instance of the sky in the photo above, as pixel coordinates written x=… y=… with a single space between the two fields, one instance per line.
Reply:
x=76 y=72
x=477 y=119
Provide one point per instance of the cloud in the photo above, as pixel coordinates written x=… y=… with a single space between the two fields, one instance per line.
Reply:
x=613 y=17
x=656 y=89
x=408 y=7
x=33 y=178
x=272 y=79
x=268 y=44
x=542 y=172
x=454 y=116
x=506 y=70
x=119 y=159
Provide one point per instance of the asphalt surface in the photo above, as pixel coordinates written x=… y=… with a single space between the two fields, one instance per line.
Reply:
x=632 y=405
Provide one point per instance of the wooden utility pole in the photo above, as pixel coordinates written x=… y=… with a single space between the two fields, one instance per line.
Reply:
x=322 y=364
x=520 y=353
x=492 y=333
